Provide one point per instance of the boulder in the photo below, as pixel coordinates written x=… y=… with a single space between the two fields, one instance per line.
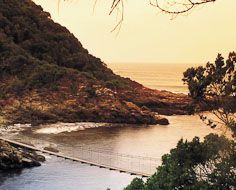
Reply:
x=163 y=121
x=40 y=158
x=17 y=158
x=30 y=162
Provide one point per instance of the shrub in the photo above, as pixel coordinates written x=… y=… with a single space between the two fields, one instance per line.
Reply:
x=136 y=184
x=45 y=75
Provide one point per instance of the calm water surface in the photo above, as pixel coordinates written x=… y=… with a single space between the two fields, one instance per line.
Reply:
x=155 y=75
x=62 y=174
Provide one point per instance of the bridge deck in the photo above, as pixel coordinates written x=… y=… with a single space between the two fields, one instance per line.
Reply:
x=122 y=170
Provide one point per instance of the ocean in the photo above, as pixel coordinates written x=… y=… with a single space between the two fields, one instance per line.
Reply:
x=161 y=76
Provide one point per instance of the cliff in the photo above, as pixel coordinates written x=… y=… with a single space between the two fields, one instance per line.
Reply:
x=47 y=76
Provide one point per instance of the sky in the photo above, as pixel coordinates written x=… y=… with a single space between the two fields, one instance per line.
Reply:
x=146 y=35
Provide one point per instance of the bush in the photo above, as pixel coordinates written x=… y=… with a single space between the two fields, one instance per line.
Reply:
x=136 y=184
x=116 y=83
x=45 y=75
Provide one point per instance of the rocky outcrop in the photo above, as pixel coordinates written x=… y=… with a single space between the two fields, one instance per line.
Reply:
x=17 y=158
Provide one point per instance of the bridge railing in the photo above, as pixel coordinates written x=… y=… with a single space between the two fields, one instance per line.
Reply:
x=135 y=163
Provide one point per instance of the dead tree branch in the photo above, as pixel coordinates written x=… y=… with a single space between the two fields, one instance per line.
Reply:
x=171 y=7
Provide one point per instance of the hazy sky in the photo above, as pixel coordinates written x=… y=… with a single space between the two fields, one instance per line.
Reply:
x=147 y=35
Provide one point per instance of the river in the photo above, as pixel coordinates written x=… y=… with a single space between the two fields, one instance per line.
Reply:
x=57 y=173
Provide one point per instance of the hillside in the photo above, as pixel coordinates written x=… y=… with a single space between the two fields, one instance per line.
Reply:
x=47 y=76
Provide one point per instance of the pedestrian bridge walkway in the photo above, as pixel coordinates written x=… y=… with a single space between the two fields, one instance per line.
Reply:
x=134 y=165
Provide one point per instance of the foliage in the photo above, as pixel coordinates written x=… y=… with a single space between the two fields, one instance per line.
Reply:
x=115 y=83
x=38 y=52
x=45 y=75
x=195 y=165
x=209 y=164
x=218 y=79
x=136 y=184
x=215 y=86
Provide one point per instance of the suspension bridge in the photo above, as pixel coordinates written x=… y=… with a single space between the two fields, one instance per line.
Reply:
x=124 y=163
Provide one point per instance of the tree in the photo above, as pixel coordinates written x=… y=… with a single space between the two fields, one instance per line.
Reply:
x=209 y=164
x=136 y=184
x=194 y=165
x=215 y=87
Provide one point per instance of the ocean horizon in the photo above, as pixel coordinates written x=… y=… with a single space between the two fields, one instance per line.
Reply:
x=160 y=76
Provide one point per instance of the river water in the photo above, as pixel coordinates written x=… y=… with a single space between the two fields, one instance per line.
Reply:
x=57 y=173
x=143 y=141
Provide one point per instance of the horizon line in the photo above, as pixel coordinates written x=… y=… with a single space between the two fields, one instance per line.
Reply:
x=122 y=62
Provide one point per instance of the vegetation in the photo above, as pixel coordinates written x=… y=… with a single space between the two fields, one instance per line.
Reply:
x=33 y=47
x=47 y=76
x=215 y=79
x=136 y=184
x=215 y=86
x=194 y=165
x=209 y=164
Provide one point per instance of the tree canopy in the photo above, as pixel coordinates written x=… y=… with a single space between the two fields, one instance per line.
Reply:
x=194 y=165
x=215 y=86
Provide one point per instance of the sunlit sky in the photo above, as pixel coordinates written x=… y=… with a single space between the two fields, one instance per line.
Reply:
x=148 y=36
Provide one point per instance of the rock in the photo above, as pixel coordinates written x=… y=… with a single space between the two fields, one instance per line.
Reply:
x=29 y=162
x=163 y=121
x=40 y=158
x=17 y=158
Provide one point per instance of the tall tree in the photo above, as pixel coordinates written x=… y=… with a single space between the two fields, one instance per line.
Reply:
x=215 y=86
